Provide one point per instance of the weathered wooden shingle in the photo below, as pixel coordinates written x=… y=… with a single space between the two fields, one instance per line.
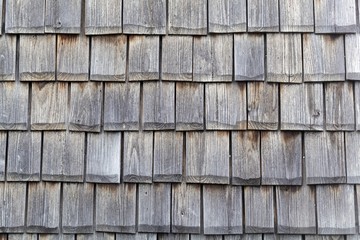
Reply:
x=144 y=59
x=121 y=106
x=72 y=58
x=63 y=16
x=85 y=106
x=296 y=15
x=55 y=237
x=225 y=106
x=14 y=105
x=323 y=57
x=154 y=207
x=138 y=157
x=103 y=17
x=352 y=52
x=177 y=58
x=339 y=102
x=23 y=156
x=296 y=210
x=226 y=16
x=37 y=57
x=8 y=57
x=302 y=106
x=25 y=17
x=352 y=149
x=103 y=157
x=222 y=209
x=213 y=58
x=137 y=236
x=284 y=58
x=96 y=236
x=77 y=207
x=158 y=105
x=207 y=157
x=335 y=16
x=325 y=158
x=12 y=208
x=187 y=17
x=116 y=208
x=335 y=209
x=249 y=57
x=263 y=105
x=43 y=207
x=108 y=58
x=24 y=236
x=63 y=156
x=189 y=106
x=281 y=158
x=169 y=236
x=244 y=237
x=3 y=147
x=186 y=207
x=259 y=209
x=245 y=159
x=327 y=237
x=144 y=17
x=168 y=156
x=206 y=237
x=49 y=106
x=263 y=16
x=357 y=104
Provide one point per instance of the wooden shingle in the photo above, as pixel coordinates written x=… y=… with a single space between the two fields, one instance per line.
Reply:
x=144 y=17
x=244 y=237
x=63 y=156
x=56 y=237
x=137 y=236
x=284 y=58
x=108 y=58
x=37 y=57
x=323 y=57
x=26 y=236
x=227 y=16
x=8 y=57
x=296 y=15
x=263 y=105
x=23 y=156
x=335 y=16
x=325 y=158
x=116 y=208
x=339 y=102
x=103 y=157
x=144 y=59
x=77 y=207
x=177 y=58
x=154 y=207
x=335 y=209
x=281 y=158
x=302 y=106
x=189 y=106
x=249 y=57
x=206 y=237
x=186 y=208
x=352 y=53
x=158 y=105
x=96 y=236
x=296 y=210
x=14 y=97
x=207 y=157
x=168 y=156
x=138 y=157
x=63 y=16
x=263 y=16
x=352 y=149
x=24 y=16
x=72 y=58
x=12 y=209
x=85 y=106
x=43 y=207
x=49 y=106
x=103 y=17
x=3 y=143
x=213 y=58
x=259 y=209
x=187 y=17
x=327 y=237
x=225 y=106
x=169 y=236
x=245 y=160
x=357 y=104
x=222 y=209
x=121 y=106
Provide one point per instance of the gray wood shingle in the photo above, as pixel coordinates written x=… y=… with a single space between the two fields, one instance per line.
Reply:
x=96 y=236
x=263 y=16
x=352 y=53
x=357 y=104
x=8 y=59
x=3 y=146
x=170 y=236
x=352 y=149
x=22 y=236
x=103 y=17
x=55 y=237
x=296 y=15
x=137 y=236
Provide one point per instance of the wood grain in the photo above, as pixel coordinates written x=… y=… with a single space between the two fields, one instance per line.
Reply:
x=137 y=236
x=26 y=236
x=296 y=15
x=352 y=50
x=49 y=106
x=352 y=149
x=54 y=237
x=96 y=236
x=3 y=146
x=170 y=236
x=357 y=104
x=8 y=57
x=263 y=16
